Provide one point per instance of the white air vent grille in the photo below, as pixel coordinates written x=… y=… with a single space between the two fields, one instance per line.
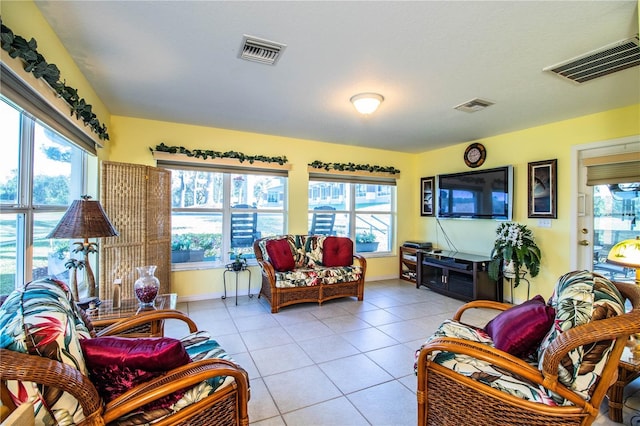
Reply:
x=598 y=63
x=473 y=105
x=259 y=50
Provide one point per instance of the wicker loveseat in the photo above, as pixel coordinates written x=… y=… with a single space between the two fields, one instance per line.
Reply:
x=51 y=359
x=560 y=378
x=308 y=268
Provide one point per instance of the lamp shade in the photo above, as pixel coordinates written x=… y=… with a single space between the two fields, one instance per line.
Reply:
x=626 y=253
x=84 y=219
x=366 y=103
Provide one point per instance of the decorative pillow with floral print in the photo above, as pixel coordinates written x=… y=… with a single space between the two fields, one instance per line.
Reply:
x=43 y=311
x=581 y=297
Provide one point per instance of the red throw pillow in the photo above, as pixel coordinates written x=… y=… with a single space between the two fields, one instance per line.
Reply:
x=337 y=251
x=280 y=255
x=117 y=364
x=519 y=330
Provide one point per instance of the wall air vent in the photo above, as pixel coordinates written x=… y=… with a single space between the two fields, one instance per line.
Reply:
x=259 y=50
x=611 y=58
x=473 y=105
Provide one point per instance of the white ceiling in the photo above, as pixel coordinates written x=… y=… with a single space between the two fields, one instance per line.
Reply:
x=178 y=61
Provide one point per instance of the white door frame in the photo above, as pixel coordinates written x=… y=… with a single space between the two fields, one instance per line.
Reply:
x=581 y=209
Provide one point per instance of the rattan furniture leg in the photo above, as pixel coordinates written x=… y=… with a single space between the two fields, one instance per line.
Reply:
x=628 y=370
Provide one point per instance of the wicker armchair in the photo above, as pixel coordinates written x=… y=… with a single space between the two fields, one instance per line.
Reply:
x=446 y=397
x=226 y=406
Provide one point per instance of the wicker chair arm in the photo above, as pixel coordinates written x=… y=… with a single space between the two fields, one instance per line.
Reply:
x=496 y=357
x=37 y=369
x=268 y=270
x=175 y=380
x=488 y=304
x=362 y=261
x=147 y=317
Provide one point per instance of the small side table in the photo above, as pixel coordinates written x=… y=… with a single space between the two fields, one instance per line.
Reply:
x=230 y=268
x=105 y=315
x=628 y=370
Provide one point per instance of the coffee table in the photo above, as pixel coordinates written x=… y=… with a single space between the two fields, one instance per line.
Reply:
x=105 y=315
x=628 y=370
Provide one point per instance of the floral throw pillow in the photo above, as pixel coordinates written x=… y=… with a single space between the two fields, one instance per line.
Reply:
x=581 y=297
x=42 y=320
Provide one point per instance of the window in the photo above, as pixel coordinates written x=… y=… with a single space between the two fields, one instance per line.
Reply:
x=40 y=174
x=363 y=211
x=616 y=217
x=215 y=212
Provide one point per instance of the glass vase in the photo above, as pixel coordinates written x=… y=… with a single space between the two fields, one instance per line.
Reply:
x=146 y=287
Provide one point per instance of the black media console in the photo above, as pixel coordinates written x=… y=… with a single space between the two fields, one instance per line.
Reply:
x=460 y=275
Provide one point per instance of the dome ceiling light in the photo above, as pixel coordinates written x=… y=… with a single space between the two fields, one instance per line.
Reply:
x=366 y=103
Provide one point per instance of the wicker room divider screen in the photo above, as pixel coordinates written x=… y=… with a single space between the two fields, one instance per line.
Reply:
x=137 y=199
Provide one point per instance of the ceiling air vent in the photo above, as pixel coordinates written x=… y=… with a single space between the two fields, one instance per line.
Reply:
x=473 y=105
x=259 y=50
x=598 y=63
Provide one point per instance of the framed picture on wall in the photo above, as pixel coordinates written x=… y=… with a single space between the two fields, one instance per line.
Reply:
x=426 y=195
x=542 y=187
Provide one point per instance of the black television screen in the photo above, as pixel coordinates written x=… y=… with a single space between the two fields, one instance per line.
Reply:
x=479 y=194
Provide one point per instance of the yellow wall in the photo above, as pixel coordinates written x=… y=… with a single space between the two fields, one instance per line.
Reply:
x=133 y=137
x=519 y=148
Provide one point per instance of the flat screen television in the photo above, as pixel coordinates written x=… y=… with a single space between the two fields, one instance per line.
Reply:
x=478 y=194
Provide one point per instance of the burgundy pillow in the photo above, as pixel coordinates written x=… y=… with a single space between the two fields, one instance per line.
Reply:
x=337 y=251
x=280 y=255
x=520 y=329
x=117 y=364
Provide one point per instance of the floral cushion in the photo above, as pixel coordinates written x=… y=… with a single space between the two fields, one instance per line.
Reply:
x=483 y=371
x=43 y=311
x=305 y=277
x=579 y=298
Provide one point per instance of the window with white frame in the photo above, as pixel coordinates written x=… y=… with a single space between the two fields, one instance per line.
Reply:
x=217 y=214
x=362 y=209
x=41 y=173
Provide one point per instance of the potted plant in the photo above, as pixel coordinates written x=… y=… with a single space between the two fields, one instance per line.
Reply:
x=198 y=245
x=366 y=241
x=238 y=260
x=514 y=248
x=180 y=247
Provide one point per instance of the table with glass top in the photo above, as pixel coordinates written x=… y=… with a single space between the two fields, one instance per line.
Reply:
x=105 y=314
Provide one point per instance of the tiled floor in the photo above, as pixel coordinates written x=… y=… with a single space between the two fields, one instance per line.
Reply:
x=342 y=363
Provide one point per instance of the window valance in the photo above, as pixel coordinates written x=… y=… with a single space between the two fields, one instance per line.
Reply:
x=364 y=177
x=618 y=168
x=43 y=104
x=223 y=165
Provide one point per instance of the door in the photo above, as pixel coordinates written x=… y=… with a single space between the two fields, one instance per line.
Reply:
x=607 y=208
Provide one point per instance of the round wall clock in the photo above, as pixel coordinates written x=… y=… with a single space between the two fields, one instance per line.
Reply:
x=474 y=155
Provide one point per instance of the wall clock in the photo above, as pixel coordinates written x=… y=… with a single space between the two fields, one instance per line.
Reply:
x=474 y=155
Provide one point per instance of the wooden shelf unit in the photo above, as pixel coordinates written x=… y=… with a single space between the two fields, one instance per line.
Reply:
x=408 y=264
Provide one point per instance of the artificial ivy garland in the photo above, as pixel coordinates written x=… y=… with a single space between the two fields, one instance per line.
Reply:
x=207 y=153
x=35 y=63
x=351 y=167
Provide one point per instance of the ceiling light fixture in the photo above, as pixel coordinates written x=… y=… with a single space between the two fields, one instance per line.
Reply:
x=366 y=103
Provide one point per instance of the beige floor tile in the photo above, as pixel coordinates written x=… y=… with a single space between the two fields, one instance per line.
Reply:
x=336 y=412
x=354 y=373
x=300 y=388
x=280 y=358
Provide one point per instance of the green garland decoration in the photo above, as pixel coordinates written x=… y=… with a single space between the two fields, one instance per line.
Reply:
x=207 y=153
x=351 y=167
x=35 y=63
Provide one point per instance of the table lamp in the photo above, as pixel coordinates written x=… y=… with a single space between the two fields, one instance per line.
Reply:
x=626 y=253
x=85 y=219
